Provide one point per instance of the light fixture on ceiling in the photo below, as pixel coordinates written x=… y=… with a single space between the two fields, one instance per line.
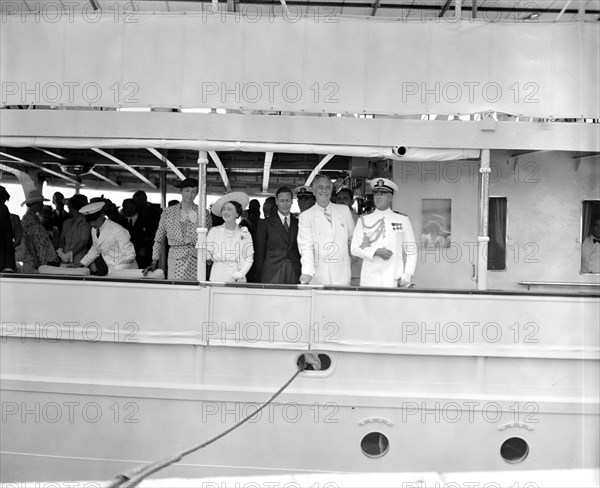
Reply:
x=77 y=169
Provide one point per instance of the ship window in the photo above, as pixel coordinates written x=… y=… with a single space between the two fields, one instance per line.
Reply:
x=375 y=444
x=590 y=237
x=323 y=358
x=497 y=233
x=514 y=450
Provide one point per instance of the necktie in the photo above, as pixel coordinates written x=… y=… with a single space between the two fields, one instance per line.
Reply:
x=327 y=215
x=97 y=233
x=285 y=224
x=130 y=221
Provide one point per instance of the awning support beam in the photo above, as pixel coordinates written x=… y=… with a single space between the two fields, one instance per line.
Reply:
x=219 y=164
x=318 y=168
x=483 y=238
x=39 y=166
x=124 y=165
x=202 y=227
x=104 y=178
x=169 y=164
x=267 y=171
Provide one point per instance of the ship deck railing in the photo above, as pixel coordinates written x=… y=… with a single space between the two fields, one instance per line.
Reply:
x=589 y=289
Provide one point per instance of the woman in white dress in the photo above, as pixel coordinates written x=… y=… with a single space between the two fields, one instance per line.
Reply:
x=229 y=246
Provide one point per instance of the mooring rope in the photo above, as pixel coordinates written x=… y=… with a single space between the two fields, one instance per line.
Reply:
x=133 y=478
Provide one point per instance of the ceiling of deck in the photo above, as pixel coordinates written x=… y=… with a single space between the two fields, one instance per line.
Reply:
x=410 y=10
x=244 y=170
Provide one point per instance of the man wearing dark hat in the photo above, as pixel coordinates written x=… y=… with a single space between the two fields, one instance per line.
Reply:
x=276 y=255
x=109 y=240
x=385 y=241
x=75 y=238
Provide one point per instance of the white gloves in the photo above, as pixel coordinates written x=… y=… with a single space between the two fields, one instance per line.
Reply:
x=238 y=276
x=405 y=280
x=65 y=257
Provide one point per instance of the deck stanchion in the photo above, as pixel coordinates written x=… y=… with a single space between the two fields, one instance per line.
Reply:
x=483 y=238
x=163 y=189
x=202 y=229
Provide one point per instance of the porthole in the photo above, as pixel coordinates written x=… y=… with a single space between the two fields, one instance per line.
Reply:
x=374 y=445
x=514 y=450
x=324 y=359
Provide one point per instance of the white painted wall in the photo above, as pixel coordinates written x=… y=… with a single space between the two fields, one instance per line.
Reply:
x=544 y=193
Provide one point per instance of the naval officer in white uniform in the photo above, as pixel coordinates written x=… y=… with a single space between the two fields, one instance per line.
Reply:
x=385 y=241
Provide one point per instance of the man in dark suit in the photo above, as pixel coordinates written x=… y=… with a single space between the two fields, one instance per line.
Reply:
x=59 y=214
x=139 y=231
x=275 y=248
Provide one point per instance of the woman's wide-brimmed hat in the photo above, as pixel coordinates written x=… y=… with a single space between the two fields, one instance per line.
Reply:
x=234 y=196
x=35 y=196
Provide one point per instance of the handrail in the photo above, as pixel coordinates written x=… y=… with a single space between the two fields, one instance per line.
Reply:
x=529 y=284
x=213 y=284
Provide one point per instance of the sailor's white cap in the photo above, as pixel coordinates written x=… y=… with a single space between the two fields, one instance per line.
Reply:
x=92 y=208
x=383 y=184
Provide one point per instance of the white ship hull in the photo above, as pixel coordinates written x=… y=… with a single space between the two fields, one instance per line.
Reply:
x=446 y=377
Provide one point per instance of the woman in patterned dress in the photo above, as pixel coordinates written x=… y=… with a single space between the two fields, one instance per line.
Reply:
x=177 y=226
x=36 y=248
x=229 y=246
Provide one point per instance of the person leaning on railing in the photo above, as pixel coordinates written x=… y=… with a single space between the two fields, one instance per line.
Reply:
x=109 y=240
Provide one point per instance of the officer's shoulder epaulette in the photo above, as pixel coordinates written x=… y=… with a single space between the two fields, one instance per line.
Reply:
x=400 y=213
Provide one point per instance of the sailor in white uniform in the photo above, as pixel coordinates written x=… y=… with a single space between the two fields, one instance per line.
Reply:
x=385 y=241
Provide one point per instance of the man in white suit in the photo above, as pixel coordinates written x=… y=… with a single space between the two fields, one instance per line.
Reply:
x=324 y=233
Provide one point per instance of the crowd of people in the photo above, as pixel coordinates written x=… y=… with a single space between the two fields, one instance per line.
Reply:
x=92 y=233
x=327 y=243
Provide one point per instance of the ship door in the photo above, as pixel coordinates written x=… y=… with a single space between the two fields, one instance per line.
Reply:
x=441 y=200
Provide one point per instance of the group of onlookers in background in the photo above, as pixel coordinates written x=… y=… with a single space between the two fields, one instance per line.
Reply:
x=55 y=236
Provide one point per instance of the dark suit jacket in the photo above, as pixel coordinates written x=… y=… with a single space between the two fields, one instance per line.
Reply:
x=142 y=238
x=273 y=246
